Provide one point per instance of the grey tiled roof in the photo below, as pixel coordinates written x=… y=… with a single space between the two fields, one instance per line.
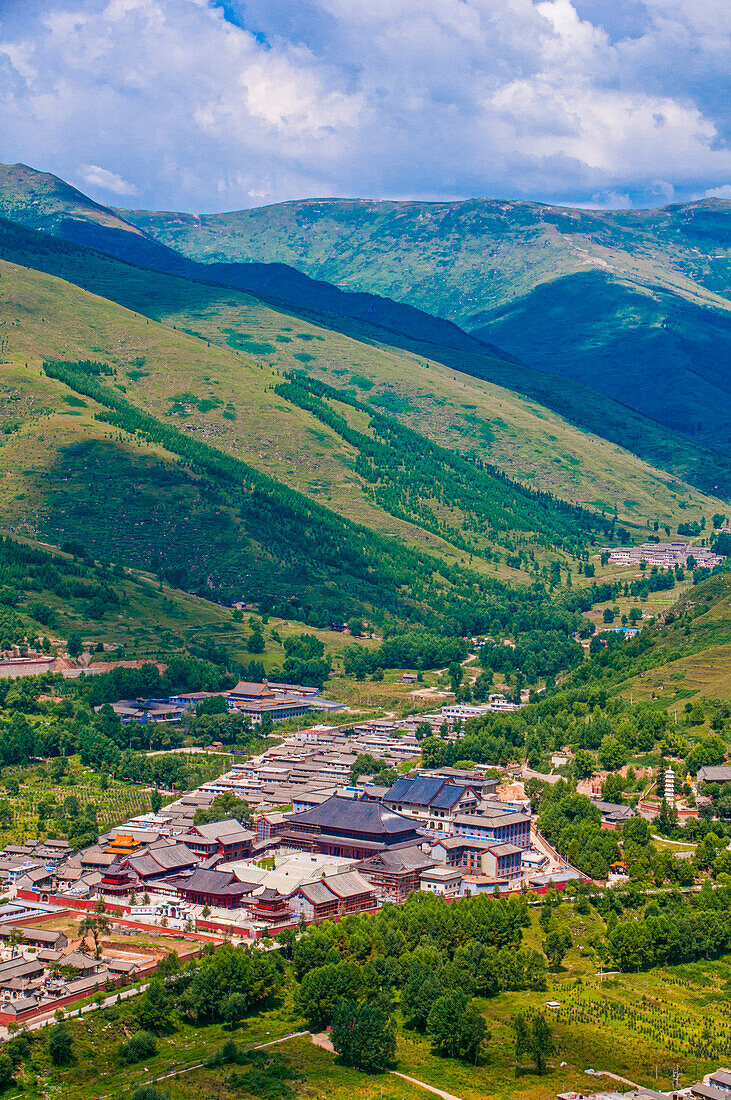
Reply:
x=353 y=816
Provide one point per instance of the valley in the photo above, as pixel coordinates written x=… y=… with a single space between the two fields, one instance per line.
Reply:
x=354 y=701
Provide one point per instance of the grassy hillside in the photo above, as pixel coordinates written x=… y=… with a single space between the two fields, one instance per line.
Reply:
x=188 y=489
x=465 y=260
x=42 y=201
x=49 y=594
x=464 y=413
x=695 y=643
x=685 y=652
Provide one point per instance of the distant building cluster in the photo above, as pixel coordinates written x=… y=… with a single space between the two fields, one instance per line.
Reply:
x=278 y=701
x=664 y=554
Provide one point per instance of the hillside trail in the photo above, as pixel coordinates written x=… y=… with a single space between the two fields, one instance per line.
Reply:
x=322 y=1040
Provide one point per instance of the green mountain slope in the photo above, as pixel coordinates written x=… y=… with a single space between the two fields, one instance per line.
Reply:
x=463 y=260
x=452 y=259
x=656 y=351
x=686 y=653
x=44 y=201
x=168 y=481
x=53 y=594
x=463 y=413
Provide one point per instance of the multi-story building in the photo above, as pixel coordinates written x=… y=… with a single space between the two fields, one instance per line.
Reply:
x=349 y=827
x=501 y=826
x=434 y=802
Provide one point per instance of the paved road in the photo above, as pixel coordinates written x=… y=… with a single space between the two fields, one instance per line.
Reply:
x=423 y=1085
x=44 y=1021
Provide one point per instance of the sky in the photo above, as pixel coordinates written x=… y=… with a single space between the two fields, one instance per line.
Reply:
x=210 y=105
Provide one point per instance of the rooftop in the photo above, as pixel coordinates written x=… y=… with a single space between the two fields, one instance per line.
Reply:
x=353 y=816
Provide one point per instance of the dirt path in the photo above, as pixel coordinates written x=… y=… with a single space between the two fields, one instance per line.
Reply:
x=423 y=1085
x=319 y=1040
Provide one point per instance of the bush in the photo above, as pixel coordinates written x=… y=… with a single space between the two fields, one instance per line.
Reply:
x=140 y=1046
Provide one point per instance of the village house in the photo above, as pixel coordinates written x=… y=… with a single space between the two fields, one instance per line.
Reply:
x=228 y=839
x=216 y=889
x=335 y=895
x=445 y=881
x=394 y=874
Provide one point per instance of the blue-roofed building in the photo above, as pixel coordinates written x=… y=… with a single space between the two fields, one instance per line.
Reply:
x=432 y=801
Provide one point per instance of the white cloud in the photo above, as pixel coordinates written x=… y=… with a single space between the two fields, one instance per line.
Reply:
x=723 y=192
x=203 y=108
x=106 y=180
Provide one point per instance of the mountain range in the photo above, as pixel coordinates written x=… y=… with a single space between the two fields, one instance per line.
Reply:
x=643 y=366
x=617 y=300
x=248 y=431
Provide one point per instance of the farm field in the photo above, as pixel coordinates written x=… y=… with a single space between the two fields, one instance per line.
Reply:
x=115 y=801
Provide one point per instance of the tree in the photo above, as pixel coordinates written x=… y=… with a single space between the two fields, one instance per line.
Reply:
x=533 y=1039
x=234 y=1009
x=149 y=1092
x=60 y=1045
x=473 y=1030
x=542 y=1044
x=555 y=946
x=613 y=789
x=522 y=1039
x=6 y=1071
x=422 y=989
x=456 y=674
x=255 y=644
x=322 y=989
x=612 y=753
x=363 y=1036
x=152 y=1010
x=444 y=1021
x=139 y=1046
x=96 y=925
x=15 y=938
x=667 y=819
x=224 y=806
x=433 y=752
x=74 y=645
x=583 y=764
